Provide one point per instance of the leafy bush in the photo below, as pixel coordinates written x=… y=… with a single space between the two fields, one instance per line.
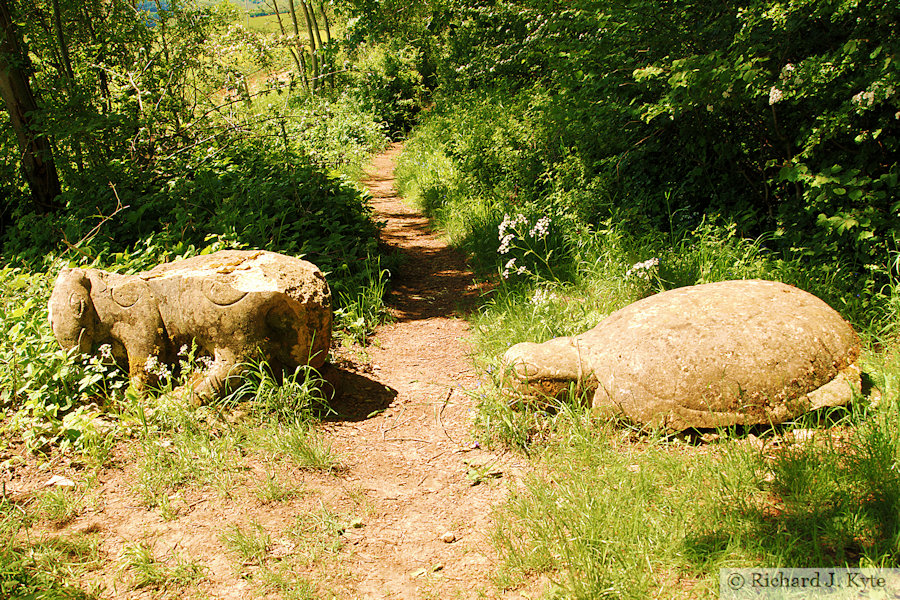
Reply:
x=336 y=133
x=45 y=394
x=241 y=195
x=781 y=119
x=386 y=82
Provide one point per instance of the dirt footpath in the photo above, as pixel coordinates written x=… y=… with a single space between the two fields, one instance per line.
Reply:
x=430 y=487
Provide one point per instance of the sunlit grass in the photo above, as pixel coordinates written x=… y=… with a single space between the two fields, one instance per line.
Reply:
x=148 y=571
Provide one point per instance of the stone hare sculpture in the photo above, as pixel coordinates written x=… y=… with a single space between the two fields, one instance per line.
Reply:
x=713 y=355
x=233 y=304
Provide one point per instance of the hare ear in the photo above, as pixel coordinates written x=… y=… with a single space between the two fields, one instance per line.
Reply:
x=74 y=276
x=80 y=286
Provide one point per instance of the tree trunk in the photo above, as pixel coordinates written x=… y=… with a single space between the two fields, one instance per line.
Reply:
x=300 y=70
x=327 y=25
x=63 y=45
x=315 y=74
x=15 y=88
x=327 y=41
x=312 y=44
x=314 y=23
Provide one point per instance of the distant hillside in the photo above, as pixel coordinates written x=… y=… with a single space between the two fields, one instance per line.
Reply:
x=255 y=8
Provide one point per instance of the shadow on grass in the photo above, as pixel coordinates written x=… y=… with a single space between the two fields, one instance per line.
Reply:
x=819 y=504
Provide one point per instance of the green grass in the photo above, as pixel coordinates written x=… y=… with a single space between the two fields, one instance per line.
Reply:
x=317 y=533
x=250 y=544
x=204 y=447
x=43 y=565
x=148 y=571
x=304 y=446
x=59 y=505
x=269 y=24
x=359 y=315
x=609 y=514
x=273 y=564
x=272 y=490
x=190 y=455
x=282 y=580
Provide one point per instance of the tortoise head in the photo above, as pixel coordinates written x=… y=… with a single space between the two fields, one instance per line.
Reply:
x=544 y=370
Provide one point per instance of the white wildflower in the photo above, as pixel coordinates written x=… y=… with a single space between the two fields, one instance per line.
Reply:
x=509 y=265
x=509 y=223
x=105 y=351
x=154 y=367
x=788 y=71
x=642 y=270
x=542 y=297
x=505 y=243
x=541 y=228
x=775 y=95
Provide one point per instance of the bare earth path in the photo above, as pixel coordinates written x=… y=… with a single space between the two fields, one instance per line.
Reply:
x=412 y=460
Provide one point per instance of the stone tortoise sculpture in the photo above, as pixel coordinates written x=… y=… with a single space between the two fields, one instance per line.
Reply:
x=233 y=303
x=713 y=355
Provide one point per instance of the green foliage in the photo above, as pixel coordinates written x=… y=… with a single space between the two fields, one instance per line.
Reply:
x=335 y=133
x=46 y=394
x=36 y=568
x=296 y=210
x=778 y=118
x=387 y=82
x=818 y=152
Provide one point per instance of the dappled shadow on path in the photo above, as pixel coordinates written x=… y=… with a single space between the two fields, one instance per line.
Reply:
x=432 y=280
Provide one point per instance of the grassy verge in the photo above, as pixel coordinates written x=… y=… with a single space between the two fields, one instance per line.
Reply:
x=179 y=451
